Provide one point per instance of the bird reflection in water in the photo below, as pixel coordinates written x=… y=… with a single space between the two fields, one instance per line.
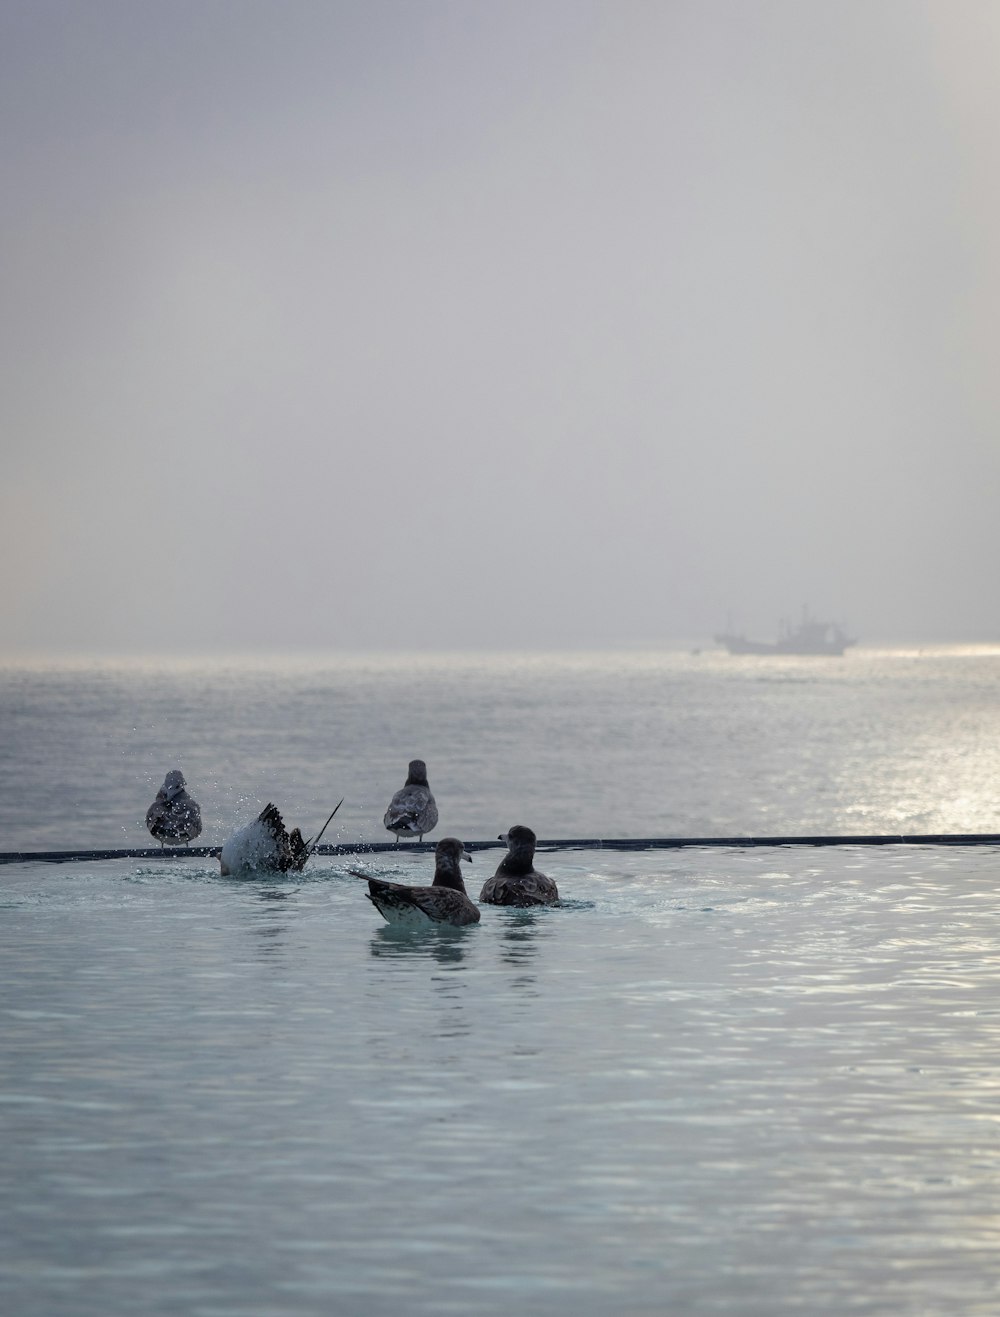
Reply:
x=446 y=948
x=445 y=945
x=519 y=946
x=271 y=935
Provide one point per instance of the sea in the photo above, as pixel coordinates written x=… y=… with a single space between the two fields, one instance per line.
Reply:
x=737 y=1079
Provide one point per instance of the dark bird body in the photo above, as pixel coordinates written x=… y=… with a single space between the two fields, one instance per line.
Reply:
x=412 y=810
x=174 y=817
x=445 y=902
x=517 y=881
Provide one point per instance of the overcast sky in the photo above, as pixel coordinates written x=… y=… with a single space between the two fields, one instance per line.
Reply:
x=540 y=323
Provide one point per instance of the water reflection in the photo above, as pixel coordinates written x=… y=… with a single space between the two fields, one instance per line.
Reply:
x=446 y=946
x=518 y=937
x=270 y=941
x=275 y=894
x=444 y=949
x=270 y=938
x=519 y=946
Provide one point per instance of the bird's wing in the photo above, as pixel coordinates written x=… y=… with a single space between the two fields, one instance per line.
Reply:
x=445 y=906
x=271 y=818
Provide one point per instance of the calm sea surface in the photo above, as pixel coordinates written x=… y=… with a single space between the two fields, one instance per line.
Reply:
x=712 y=1081
x=588 y=745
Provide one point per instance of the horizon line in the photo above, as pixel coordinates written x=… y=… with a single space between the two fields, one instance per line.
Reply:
x=38 y=657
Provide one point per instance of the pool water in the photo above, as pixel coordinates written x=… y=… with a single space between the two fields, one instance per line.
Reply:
x=711 y=1081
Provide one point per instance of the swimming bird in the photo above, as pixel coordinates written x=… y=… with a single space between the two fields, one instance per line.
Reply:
x=173 y=816
x=517 y=881
x=445 y=902
x=412 y=810
x=265 y=844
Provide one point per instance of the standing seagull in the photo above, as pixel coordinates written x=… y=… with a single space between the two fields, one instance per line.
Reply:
x=265 y=845
x=517 y=881
x=412 y=810
x=173 y=816
x=444 y=902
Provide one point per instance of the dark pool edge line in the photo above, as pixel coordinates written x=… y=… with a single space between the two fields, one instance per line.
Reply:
x=574 y=843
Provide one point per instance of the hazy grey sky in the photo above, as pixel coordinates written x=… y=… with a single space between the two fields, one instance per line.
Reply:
x=527 y=323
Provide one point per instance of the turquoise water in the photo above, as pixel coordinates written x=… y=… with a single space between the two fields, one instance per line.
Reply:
x=741 y=1082
x=712 y=1081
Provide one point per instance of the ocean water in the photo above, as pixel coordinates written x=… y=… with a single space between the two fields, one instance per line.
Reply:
x=576 y=745
x=735 y=1080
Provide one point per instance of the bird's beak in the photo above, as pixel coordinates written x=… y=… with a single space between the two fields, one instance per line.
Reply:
x=505 y=838
x=466 y=856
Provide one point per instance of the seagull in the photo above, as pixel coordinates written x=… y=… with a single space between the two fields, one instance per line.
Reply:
x=412 y=810
x=517 y=881
x=266 y=845
x=173 y=816
x=445 y=902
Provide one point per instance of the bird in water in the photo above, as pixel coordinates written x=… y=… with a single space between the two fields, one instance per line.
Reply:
x=412 y=810
x=444 y=903
x=174 y=817
x=517 y=881
x=266 y=845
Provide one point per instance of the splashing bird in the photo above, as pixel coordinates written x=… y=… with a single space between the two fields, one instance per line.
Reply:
x=412 y=810
x=265 y=845
x=174 y=817
x=517 y=881
x=445 y=902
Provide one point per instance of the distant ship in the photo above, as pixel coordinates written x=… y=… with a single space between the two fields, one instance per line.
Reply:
x=808 y=637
